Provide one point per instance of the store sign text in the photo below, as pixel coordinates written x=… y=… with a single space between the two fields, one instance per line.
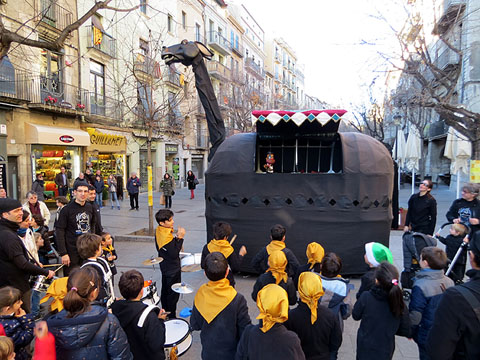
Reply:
x=66 y=139
x=98 y=138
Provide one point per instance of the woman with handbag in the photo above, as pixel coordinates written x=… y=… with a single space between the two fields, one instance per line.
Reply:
x=192 y=183
x=112 y=190
x=168 y=185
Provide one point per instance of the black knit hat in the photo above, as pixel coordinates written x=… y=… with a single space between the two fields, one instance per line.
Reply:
x=474 y=243
x=7 y=204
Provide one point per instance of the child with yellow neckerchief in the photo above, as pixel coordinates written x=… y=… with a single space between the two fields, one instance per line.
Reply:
x=169 y=247
x=109 y=252
x=315 y=325
x=315 y=254
x=221 y=233
x=277 y=236
x=219 y=312
x=270 y=339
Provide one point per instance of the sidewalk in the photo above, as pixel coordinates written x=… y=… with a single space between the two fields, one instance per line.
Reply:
x=190 y=214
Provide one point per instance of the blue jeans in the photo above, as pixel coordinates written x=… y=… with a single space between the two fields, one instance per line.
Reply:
x=113 y=196
x=36 y=297
x=98 y=199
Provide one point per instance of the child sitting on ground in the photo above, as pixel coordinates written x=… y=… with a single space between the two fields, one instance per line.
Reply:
x=169 y=247
x=276 y=274
x=375 y=253
x=453 y=242
x=17 y=324
x=90 y=250
x=428 y=288
x=143 y=324
x=219 y=312
x=337 y=289
x=109 y=252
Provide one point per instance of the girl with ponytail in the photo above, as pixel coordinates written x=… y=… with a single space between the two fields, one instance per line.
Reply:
x=84 y=330
x=383 y=315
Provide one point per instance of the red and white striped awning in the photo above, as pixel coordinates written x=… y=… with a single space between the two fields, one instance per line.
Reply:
x=298 y=117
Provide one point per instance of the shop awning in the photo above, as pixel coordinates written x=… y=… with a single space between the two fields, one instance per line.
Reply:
x=51 y=135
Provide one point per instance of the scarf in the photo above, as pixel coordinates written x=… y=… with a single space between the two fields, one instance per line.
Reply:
x=310 y=290
x=213 y=297
x=221 y=246
x=275 y=245
x=57 y=290
x=163 y=236
x=34 y=209
x=277 y=262
x=108 y=248
x=21 y=232
x=272 y=301
x=315 y=253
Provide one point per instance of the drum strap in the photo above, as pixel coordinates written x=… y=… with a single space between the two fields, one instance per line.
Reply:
x=145 y=313
x=107 y=277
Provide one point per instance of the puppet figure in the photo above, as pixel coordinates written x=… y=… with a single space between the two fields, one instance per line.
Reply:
x=270 y=159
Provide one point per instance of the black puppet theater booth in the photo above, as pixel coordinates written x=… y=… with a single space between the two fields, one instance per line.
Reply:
x=299 y=171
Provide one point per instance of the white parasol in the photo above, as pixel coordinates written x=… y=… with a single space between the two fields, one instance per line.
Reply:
x=459 y=150
x=399 y=148
x=413 y=154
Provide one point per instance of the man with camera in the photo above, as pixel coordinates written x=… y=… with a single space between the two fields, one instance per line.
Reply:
x=16 y=264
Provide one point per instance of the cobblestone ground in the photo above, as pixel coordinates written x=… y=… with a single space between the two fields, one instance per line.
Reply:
x=190 y=214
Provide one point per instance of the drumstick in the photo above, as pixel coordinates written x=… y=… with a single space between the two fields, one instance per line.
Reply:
x=59 y=267
x=233 y=239
x=50 y=265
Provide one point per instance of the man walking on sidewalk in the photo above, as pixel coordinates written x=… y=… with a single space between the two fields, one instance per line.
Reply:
x=133 y=188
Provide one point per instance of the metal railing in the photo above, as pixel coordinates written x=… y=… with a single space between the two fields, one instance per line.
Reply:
x=214 y=67
x=105 y=106
x=238 y=48
x=54 y=15
x=249 y=63
x=438 y=128
x=215 y=38
x=447 y=57
x=51 y=91
x=107 y=45
x=173 y=78
x=238 y=76
x=16 y=85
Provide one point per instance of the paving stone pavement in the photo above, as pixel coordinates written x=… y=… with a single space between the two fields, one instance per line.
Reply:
x=190 y=215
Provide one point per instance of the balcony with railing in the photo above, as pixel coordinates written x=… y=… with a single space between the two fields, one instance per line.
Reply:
x=173 y=79
x=101 y=105
x=254 y=68
x=202 y=139
x=147 y=66
x=218 y=70
x=238 y=76
x=15 y=86
x=447 y=12
x=437 y=129
x=101 y=41
x=447 y=59
x=237 y=49
x=53 y=17
x=217 y=41
x=277 y=58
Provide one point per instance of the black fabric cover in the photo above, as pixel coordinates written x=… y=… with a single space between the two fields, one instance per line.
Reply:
x=340 y=211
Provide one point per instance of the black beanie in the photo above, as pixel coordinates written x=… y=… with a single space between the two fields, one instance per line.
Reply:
x=7 y=204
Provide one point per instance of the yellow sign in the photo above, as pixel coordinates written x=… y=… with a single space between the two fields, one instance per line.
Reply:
x=475 y=171
x=103 y=142
x=150 y=187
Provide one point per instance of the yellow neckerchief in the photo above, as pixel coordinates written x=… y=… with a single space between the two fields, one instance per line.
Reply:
x=315 y=253
x=275 y=245
x=163 y=236
x=57 y=290
x=272 y=301
x=213 y=297
x=221 y=246
x=108 y=248
x=310 y=290
x=277 y=262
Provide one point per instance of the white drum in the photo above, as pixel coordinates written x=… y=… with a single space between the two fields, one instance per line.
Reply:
x=150 y=295
x=177 y=334
x=191 y=262
x=41 y=283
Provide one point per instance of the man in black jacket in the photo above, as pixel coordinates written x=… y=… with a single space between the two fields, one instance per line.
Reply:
x=75 y=219
x=455 y=333
x=144 y=325
x=466 y=210
x=15 y=266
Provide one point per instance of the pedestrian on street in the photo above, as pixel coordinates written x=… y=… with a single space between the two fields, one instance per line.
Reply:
x=99 y=185
x=192 y=183
x=92 y=196
x=466 y=210
x=34 y=206
x=89 y=176
x=168 y=187
x=38 y=186
x=133 y=188
x=15 y=264
x=455 y=333
x=112 y=190
x=422 y=210
x=61 y=181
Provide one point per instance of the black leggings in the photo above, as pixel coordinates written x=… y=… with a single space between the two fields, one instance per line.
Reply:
x=168 y=202
x=168 y=297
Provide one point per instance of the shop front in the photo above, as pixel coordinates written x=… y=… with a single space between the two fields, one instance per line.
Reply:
x=172 y=161
x=107 y=152
x=52 y=148
x=197 y=165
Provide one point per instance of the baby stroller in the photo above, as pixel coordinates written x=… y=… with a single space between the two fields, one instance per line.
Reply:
x=412 y=243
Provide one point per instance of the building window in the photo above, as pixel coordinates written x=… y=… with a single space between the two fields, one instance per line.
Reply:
x=97 y=88
x=198 y=37
x=184 y=20
x=143 y=6
x=144 y=47
x=51 y=74
x=169 y=23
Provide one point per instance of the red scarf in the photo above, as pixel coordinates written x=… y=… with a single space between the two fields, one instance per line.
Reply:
x=34 y=209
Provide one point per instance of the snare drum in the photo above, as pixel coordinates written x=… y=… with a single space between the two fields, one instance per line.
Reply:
x=150 y=295
x=41 y=283
x=177 y=333
x=191 y=262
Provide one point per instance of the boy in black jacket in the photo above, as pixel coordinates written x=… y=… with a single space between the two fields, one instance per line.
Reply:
x=219 y=312
x=147 y=337
x=453 y=242
x=169 y=247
